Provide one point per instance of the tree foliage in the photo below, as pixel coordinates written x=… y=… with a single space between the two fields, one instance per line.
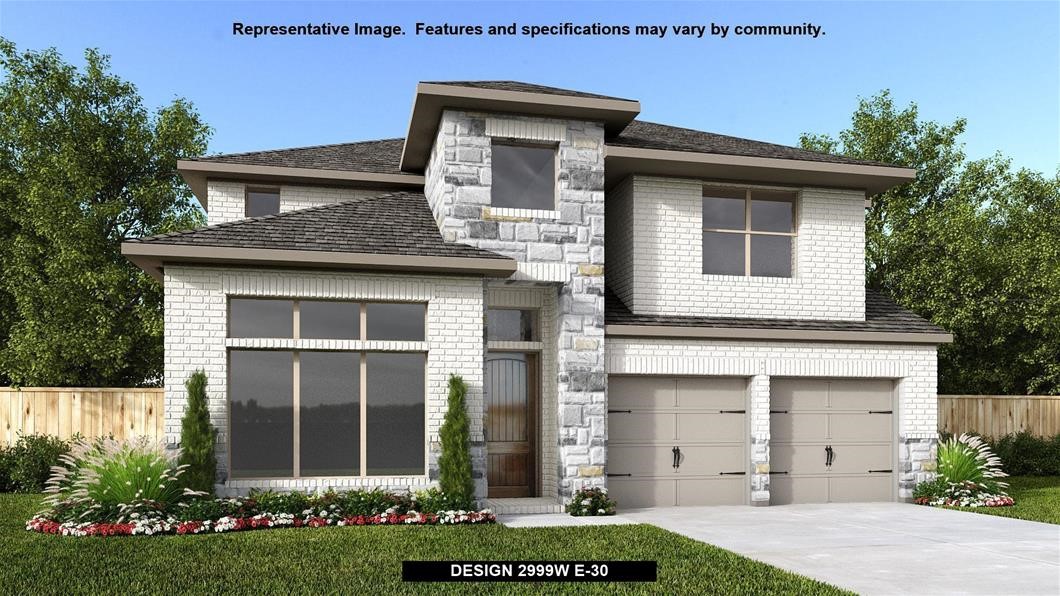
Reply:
x=197 y=437
x=972 y=245
x=454 y=463
x=83 y=167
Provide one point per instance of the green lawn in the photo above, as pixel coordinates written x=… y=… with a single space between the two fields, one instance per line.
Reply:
x=359 y=560
x=1037 y=499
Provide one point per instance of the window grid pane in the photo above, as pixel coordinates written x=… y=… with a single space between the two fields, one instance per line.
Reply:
x=329 y=413
x=320 y=319
x=261 y=385
x=723 y=253
x=402 y=322
x=770 y=256
x=511 y=325
x=396 y=413
x=255 y=317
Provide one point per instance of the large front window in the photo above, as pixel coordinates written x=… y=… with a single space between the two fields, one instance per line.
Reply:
x=327 y=412
x=748 y=232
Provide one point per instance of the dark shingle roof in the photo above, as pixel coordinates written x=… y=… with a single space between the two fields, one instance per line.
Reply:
x=380 y=157
x=391 y=224
x=524 y=87
x=649 y=135
x=881 y=315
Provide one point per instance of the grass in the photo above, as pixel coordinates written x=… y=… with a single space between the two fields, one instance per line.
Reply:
x=1037 y=499
x=361 y=560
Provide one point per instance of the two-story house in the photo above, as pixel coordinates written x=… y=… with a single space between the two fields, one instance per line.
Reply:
x=733 y=355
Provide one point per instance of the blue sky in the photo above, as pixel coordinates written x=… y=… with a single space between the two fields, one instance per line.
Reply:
x=997 y=64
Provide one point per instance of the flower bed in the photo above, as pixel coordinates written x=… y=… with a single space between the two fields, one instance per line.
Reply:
x=149 y=526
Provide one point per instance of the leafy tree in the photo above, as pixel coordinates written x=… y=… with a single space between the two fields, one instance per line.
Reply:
x=454 y=463
x=972 y=245
x=83 y=167
x=197 y=437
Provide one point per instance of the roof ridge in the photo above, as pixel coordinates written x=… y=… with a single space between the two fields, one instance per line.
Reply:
x=236 y=222
x=280 y=150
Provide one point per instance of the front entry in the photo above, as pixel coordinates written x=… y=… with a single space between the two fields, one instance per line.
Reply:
x=511 y=424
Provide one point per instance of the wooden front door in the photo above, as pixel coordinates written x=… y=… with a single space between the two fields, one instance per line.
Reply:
x=511 y=423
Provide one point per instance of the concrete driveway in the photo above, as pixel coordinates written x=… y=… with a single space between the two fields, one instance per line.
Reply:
x=881 y=548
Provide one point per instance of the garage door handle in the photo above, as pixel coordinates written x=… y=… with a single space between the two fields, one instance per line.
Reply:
x=677 y=457
x=880 y=471
x=778 y=411
x=778 y=472
x=732 y=473
x=620 y=411
x=881 y=411
x=734 y=411
x=613 y=475
x=829 y=455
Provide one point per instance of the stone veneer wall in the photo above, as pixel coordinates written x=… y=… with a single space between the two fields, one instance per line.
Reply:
x=227 y=199
x=196 y=337
x=914 y=368
x=563 y=246
x=660 y=223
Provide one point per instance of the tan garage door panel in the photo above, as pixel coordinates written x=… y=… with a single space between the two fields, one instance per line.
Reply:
x=634 y=493
x=704 y=417
x=854 y=418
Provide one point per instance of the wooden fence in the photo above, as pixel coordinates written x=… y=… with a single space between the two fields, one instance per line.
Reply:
x=999 y=415
x=92 y=412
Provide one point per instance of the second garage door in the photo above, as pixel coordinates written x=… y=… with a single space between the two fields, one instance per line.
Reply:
x=831 y=440
x=677 y=441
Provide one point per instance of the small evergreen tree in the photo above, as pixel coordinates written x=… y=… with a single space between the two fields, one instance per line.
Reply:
x=197 y=437
x=455 y=461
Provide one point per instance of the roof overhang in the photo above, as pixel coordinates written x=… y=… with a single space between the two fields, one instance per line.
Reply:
x=817 y=335
x=623 y=161
x=153 y=257
x=197 y=172
x=432 y=98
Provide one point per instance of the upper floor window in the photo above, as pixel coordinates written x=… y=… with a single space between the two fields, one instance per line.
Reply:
x=748 y=232
x=262 y=201
x=524 y=176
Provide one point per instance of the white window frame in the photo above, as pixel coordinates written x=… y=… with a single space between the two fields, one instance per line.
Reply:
x=748 y=232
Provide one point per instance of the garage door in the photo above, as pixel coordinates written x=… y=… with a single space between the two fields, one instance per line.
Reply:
x=677 y=441
x=831 y=440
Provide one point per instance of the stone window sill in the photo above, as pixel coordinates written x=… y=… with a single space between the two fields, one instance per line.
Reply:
x=523 y=213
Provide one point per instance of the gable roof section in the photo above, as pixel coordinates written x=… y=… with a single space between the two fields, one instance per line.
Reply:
x=380 y=157
x=394 y=231
x=885 y=322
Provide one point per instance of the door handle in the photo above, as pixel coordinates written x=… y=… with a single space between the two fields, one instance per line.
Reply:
x=677 y=457
x=829 y=455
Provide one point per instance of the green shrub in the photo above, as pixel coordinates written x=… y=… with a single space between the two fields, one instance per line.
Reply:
x=371 y=502
x=1024 y=454
x=454 y=463
x=968 y=459
x=434 y=500
x=30 y=461
x=6 y=460
x=113 y=479
x=591 y=501
x=930 y=490
x=294 y=502
x=197 y=437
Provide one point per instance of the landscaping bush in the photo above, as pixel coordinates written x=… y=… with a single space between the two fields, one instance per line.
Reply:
x=591 y=501
x=197 y=437
x=25 y=467
x=454 y=463
x=968 y=473
x=1024 y=454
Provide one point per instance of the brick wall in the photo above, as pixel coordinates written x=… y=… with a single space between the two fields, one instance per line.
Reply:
x=828 y=277
x=195 y=337
x=914 y=368
x=227 y=199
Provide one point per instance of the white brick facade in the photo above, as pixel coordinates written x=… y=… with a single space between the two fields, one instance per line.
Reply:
x=659 y=221
x=227 y=200
x=196 y=337
x=913 y=367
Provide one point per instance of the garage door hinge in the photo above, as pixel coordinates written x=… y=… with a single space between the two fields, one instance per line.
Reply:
x=880 y=471
x=734 y=411
x=732 y=473
x=881 y=411
x=620 y=411
x=610 y=475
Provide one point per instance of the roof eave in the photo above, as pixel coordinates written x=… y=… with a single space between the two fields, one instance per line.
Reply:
x=763 y=334
x=432 y=98
x=622 y=161
x=197 y=172
x=151 y=257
